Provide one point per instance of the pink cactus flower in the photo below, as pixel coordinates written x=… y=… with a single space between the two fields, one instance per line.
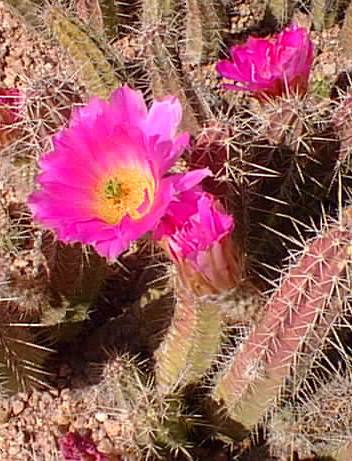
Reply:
x=197 y=235
x=105 y=183
x=271 y=67
x=11 y=104
x=74 y=447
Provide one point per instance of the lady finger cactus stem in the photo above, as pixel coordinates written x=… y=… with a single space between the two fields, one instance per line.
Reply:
x=163 y=63
x=204 y=23
x=321 y=424
x=346 y=32
x=282 y=10
x=197 y=237
x=254 y=378
x=95 y=70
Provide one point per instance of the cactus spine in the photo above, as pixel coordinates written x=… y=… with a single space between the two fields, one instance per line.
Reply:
x=254 y=378
x=321 y=424
x=346 y=32
x=95 y=71
x=163 y=62
x=190 y=346
x=281 y=10
x=204 y=24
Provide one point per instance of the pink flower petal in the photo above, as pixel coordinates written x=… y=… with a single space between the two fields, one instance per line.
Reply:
x=129 y=106
x=270 y=66
x=164 y=117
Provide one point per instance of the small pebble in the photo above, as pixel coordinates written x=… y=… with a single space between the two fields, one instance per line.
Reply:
x=17 y=407
x=101 y=417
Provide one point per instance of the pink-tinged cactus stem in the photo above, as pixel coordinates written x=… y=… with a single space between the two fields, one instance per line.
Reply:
x=256 y=374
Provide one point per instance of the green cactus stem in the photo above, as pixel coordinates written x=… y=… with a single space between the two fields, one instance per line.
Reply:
x=190 y=346
x=163 y=64
x=346 y=32
x=204 y=25
x=321 y=424
x=282 y=10
x=95 y=71
x=145 y=423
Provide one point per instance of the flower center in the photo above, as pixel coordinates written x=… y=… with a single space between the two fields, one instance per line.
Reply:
x=130 y=191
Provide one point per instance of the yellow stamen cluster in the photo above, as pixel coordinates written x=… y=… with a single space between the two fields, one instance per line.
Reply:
x=123 y=193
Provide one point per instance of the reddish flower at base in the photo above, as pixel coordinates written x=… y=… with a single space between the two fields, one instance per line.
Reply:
x=105 y=181
x=271 y=67
x=197 y=235
x=74 y=447
x=11 y=103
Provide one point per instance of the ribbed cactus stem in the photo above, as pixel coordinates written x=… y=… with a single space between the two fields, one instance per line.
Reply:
x=253 y=380
x=90 y=12
x=144 y=422
x=22 y=358
x=325 y=12
x=319 y=424
x=318 y=10
x=163 y=63
x=281 y=10
x=75 y=273
x=346 y=32
x=95 y=71
x=204 y=24
x=190 y=345
x=154 y=12
x=116 y=15
x=344 y=453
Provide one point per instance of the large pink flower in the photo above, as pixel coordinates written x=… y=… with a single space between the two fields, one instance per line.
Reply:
x=197 y=235
x=271 y=67
x=105 y=181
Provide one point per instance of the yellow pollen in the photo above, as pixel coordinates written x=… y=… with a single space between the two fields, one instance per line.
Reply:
x=123 y=193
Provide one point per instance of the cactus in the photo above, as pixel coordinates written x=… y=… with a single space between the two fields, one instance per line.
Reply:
x=49 y=103
x=204 y=25
x=22 y=358
x=95 y=70
x=147 y=423
x=281 y=10
x=117 y=16
x=108 y=17
x=163 y=62
x=322 y=424
x=323 y=13
x=90 y=12
x=155 y=12
x=277 y=166
x=296 y=154
x=252 y=382
x=346 y=32
x=190 y=346
x=318 y=13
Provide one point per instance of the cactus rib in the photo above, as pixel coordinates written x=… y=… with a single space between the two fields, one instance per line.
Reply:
x=255 y=377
